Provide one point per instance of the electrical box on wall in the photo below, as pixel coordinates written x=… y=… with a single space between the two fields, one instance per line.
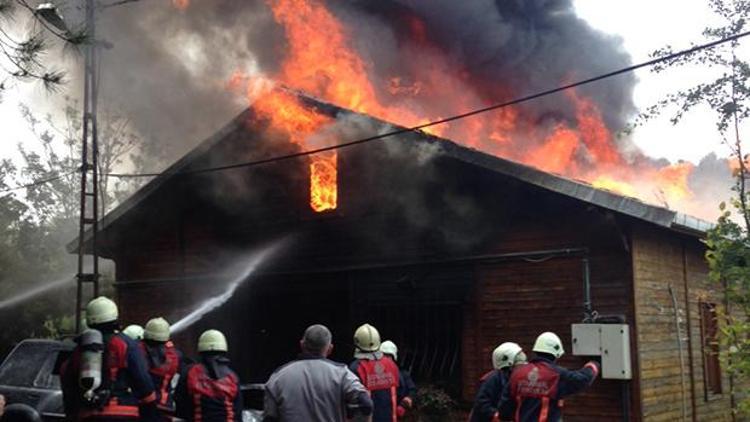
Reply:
x=609 y=341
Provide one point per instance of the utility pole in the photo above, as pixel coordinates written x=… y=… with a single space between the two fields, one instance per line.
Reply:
x=89 y=211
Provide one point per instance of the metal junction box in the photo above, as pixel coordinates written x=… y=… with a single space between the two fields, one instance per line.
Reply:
x=609 y=341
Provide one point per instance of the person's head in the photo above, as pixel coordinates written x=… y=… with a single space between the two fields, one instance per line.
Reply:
x=134 y=331
x=157 y=330
x=212 y=342
x=19 y=412
x=389 y=348
x=367 y=339
x=507 y=355
x=548 y=345
x=101 y=314
x=316 y=341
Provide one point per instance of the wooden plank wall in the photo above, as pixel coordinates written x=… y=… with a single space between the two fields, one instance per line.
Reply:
x=658 y=262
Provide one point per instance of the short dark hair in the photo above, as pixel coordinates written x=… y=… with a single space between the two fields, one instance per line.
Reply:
x=316 y=339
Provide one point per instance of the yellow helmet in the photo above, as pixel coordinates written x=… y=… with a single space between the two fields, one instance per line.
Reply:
x=157 y=329
x=212 y=341
x=134 y=331
x=549 y=343
x=367 y=338
x=505 y=355
x=389 y=348
x=101 y=310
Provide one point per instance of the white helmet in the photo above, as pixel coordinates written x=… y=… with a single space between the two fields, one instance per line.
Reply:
x=505 y=355
x=367 y=338
x=100 y=310
x=157 y=329
x=550 y=343
x=212 y=341
x=389 y=348
x=134 y=331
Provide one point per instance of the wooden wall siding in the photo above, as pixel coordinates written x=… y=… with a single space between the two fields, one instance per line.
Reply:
x=657 y=263
x=518 y=301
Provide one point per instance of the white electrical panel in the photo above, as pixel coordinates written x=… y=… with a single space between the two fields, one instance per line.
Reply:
x=616 y=351
x=586 y=339
x=609 y=341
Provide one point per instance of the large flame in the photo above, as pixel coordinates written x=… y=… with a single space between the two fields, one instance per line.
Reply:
x=321 y=59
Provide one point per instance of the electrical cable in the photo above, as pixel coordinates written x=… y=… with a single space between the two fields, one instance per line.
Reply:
x=448 y=119
x=400 y=131
x=38 y=182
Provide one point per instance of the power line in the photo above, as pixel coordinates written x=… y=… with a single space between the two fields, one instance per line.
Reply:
x=425 y=125
x=452 y=118
x=38 y=182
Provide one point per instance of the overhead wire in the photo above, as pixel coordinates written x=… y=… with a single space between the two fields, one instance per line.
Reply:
x=419 y=127
x=471 y=113
x=39 y=182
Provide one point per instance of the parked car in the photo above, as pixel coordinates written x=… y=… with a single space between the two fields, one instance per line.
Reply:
x=29 y=375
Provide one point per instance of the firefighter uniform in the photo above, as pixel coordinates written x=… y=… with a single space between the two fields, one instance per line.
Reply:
x=487 y=403
x=126 y=391
x=378 y=373
x=164 y=363
x=209 y=391
x=536 y=390
x=407 y=389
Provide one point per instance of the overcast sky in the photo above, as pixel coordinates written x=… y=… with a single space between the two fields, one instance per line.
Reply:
x=643 y=24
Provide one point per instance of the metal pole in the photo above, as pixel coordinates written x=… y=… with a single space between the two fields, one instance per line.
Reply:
x=89 y=130
x=588 y=312
x=94 y=91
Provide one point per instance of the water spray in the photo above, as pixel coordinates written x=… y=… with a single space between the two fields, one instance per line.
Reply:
x=35 y=291
x=253 y=261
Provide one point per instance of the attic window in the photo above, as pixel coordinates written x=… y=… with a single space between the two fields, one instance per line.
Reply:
x=324 y=182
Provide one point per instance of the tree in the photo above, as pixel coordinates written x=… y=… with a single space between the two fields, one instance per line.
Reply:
x=37 y=223
x=727 y=94
x=21 y=54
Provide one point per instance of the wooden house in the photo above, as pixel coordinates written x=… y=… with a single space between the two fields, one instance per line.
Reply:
x=448 y=251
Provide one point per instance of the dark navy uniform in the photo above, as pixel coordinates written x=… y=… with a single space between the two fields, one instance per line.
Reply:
x=487 y=403
x=380 y=376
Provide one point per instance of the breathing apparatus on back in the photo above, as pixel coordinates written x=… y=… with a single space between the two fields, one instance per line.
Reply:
x=90 y=377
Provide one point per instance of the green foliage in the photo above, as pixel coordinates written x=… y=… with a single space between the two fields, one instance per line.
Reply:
x=727 y=94
x=434 y=404
x=22 y=53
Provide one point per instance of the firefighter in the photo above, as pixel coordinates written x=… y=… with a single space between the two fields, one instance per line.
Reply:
x=210 y=390
x=487 y=403
x=378 y=373
x=106 y=377
x=536 y=390
x=134 y=331
x=164 y=364
x=407 y=390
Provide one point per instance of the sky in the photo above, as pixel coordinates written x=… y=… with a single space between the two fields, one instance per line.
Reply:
x=675 y=22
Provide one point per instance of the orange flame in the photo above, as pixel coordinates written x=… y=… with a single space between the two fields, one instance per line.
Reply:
x=323 y=183
x=320 y=59
x=181 y=4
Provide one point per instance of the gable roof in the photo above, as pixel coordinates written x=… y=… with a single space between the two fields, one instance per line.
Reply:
x=576 y=189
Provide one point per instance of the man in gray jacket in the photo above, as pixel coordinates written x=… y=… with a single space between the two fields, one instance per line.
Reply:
x=314 y=388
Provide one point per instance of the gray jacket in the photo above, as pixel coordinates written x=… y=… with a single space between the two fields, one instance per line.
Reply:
x=314 y=389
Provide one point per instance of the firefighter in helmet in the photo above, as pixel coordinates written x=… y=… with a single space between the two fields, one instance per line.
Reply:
x=378 y=373
x=210 y=390
x=407 y=390
x=164 y=363
x=106 y=377
x=134 y=331
x=505 y=358
x=536 y=389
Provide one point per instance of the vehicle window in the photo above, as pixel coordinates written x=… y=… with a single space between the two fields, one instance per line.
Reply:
x=45 y=378
x=22 y=366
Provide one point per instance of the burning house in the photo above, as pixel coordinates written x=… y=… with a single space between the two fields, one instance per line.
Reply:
x=447 y=250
